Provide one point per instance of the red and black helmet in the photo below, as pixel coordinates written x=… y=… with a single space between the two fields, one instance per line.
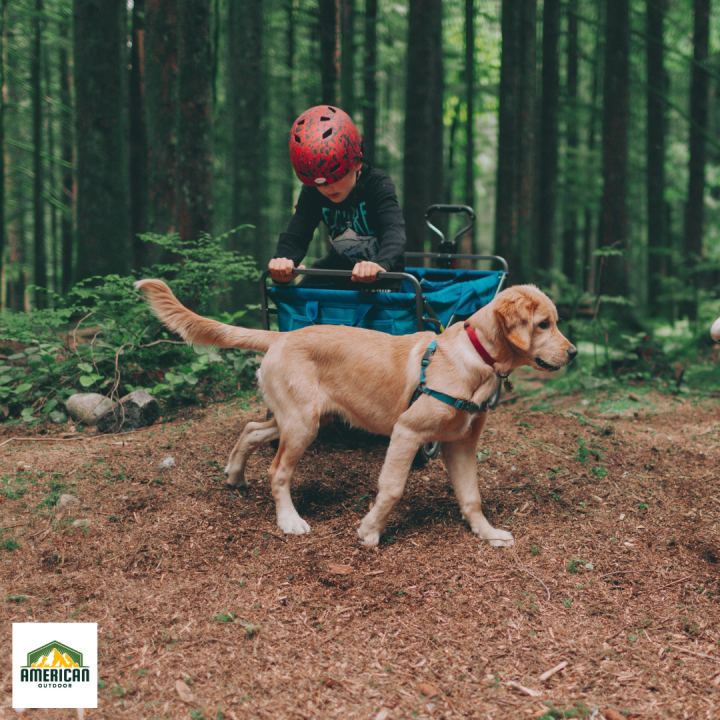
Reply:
x=324 y=145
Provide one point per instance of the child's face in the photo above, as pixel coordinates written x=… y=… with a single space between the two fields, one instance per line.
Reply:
x=339 y=190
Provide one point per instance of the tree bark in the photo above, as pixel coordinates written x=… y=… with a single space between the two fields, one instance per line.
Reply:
x=694 y=214
x=470 y=106
x=516 y=141
x=657 y=227
x=66 y=140
x=3 y=95
x=347 y=69
x=40 y=252
x=161 y=94
x=423 y=169
x=330 y=51
x=370 y=81
x=248 y=101
x=100 y=65
x=613 y=232
x=570 y=221
x=195 y=120
x=291 y=110
x=549 y=140
x=138 y=137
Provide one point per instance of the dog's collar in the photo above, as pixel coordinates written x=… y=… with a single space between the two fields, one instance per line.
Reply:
x=484 y=354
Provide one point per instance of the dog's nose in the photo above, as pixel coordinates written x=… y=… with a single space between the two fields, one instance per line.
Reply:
x=572 y=352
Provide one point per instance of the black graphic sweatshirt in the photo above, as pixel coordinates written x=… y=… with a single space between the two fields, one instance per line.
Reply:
x=371 y=208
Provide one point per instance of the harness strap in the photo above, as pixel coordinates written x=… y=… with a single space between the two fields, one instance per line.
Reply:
x=422 y=388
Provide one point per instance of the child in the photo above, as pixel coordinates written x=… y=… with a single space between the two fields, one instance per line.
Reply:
x=354 y=201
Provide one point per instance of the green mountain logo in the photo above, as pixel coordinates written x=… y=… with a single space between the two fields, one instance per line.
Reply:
x=55 y=663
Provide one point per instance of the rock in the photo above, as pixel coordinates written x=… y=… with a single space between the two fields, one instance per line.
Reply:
x=136 y=410
x=167 y=463
x=65 y=503
x=81 y=523
x=87 y=408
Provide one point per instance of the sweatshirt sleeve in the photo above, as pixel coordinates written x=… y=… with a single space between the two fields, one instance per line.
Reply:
x=294 y=242
x=390 y=224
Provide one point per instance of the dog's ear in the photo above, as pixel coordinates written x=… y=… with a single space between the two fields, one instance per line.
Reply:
x=514 y=312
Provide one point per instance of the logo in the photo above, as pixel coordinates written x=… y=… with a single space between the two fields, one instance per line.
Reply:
x=55 y=663
x=52 y=673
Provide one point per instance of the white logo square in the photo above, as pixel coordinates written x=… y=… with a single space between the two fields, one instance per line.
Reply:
x=54 y=665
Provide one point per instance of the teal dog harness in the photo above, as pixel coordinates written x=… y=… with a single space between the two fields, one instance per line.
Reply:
x=423 y=389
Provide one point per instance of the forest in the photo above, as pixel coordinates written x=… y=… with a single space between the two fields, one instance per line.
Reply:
x=583 y=132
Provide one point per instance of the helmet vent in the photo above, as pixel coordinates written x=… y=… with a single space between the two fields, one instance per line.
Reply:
x=332 y=109
x=322 y=117
x=301 y=122
x=327 y=133
x=297 y=138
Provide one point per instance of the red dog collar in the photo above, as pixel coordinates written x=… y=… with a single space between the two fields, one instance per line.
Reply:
x=484 y=354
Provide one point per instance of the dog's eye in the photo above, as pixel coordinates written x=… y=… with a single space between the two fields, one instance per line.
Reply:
x=544 y=325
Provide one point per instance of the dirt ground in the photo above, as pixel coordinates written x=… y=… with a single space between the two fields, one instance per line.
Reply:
x=614 y=501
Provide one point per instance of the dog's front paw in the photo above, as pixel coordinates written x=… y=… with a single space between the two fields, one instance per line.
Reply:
x=368 y=536
x=500 y=538
x=293 y=525
x=235 y=479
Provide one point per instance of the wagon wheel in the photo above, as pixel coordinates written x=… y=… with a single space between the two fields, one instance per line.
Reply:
x=428 y=451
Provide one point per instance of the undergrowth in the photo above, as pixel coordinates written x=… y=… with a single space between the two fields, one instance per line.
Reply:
x=103 y=338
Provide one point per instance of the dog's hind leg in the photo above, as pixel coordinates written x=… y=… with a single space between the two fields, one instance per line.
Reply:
x=253 y=436
x=460 y=461
x=294 y=440
x=403 y=447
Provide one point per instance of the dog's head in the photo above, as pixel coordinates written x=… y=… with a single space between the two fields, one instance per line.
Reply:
x=527 y=320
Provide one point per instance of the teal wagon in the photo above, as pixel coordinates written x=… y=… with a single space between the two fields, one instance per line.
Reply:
x=429 y=298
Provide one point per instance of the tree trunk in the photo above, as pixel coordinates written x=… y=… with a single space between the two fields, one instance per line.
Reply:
x=66 y=140
x=51 y=173
x=3 y=95
x=516 y=141
x=100 y=65
x=161 y=96
x=370 y=81
x=469 y=123
x=330 y=51
x=138 y=137
x=423 y=170
x=247 y=97
x=613 y=232
x=549 y=140
x=657 y=229
x=694 y=215
x=40 y=264
x=291 y=110
x=347 y=74
x=570 y=222
x=526 y=156
x=195 y=120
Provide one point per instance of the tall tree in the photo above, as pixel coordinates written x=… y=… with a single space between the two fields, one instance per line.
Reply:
x=470 y=105
x=161 y=95
x=516 y=142
x=138 y=136
x=195 y=120
x=66 y=141
x=423 y=169
x=347 y=63
x=655 y=181
x=694 y=214
x=40 y=254
x=3 y=95
x=613 y=231
x=330 y=51
x=100 y=65
x=570 y=215
x=548 y=169
x=370 y=81
x=291 y=109
x=248 y=102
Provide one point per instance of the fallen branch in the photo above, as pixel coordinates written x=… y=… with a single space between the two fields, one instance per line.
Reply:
x=674 y=582
x=552 y=671
x=523 y=689
x=700 y=655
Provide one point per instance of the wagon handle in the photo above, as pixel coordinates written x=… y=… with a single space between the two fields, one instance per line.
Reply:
x=345 y=273
x=450 y=210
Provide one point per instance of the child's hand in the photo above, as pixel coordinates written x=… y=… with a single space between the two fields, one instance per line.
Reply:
x=281 y=269
x=366 y=271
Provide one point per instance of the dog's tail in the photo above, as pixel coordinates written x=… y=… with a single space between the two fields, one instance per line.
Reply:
x=197 y=330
